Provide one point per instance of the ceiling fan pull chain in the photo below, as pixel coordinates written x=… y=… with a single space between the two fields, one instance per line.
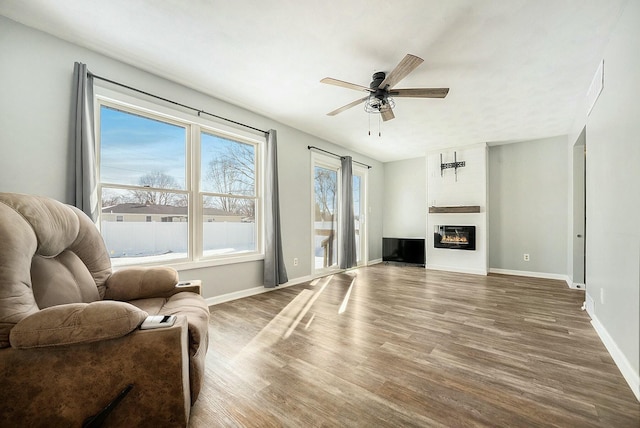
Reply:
x=369 y=125
x=379 y=121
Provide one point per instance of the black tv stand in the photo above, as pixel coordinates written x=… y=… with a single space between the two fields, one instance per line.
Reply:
x=407 y=251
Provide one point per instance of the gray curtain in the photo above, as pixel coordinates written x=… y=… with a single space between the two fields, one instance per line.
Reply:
x=83 y=138
x=275 y=272
x=347 y=241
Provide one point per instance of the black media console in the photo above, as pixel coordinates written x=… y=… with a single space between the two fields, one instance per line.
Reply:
x=404 y=250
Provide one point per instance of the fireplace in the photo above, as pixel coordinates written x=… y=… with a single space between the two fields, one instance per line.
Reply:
x=454 y=237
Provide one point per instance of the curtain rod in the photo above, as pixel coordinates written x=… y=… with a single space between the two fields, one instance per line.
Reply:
x=200 y=111
x=336 y=155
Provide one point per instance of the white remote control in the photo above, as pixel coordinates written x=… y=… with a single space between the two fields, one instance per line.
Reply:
x=158 y=321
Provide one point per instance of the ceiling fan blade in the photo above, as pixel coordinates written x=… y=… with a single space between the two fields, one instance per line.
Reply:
x=336 y=82
x=387 y=114
x=406 y=66
x=347 y=107
x=420 y=92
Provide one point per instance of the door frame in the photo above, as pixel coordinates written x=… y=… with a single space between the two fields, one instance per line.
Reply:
x=579 y=242
x=364 y=220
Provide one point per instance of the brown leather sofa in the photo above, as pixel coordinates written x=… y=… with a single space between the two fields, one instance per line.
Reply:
x=69 y=336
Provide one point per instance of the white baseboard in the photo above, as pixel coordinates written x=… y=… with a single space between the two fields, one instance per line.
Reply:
x=254 y=291
x=544 y=275
x=457 y=269
x=629 y=374
x=215 y=300
x=589 y=305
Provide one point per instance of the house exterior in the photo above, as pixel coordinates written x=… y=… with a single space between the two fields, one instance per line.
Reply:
x=135 y=212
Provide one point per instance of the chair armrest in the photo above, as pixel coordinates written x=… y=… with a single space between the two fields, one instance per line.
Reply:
x=140 y=283
x=193 y=286
x=76 y=323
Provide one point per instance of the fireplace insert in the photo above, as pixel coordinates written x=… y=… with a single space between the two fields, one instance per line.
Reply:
x=455 y=237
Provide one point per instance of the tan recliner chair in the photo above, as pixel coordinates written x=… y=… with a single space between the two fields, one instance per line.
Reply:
x=69 y=336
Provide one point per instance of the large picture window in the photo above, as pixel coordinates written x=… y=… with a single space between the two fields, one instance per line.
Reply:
x=176 y=190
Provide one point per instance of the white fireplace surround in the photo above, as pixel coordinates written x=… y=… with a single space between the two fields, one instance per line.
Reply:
x=450 y=188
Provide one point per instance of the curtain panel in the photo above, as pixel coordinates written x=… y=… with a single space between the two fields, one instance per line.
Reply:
x=347 y=242
x=83 y=139
x=275 y=272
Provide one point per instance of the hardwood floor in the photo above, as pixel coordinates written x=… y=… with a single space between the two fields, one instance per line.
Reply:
x=390 y=346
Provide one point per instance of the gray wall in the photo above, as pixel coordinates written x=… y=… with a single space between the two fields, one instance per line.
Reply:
x=36 y=74
x=528 y=190
x=613 y=194
x=405 y=190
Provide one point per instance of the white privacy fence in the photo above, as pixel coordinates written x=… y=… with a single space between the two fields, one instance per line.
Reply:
x=144 y=239
x=139 y=239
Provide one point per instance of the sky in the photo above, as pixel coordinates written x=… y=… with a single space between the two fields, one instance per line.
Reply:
x=132 y=146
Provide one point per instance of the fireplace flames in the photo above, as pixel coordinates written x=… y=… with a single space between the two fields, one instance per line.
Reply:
x=454 y=239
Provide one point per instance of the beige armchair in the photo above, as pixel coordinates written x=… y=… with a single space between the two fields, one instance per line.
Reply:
x=69 y=336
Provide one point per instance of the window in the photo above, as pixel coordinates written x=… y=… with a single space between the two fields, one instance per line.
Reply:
x=176 y=188
x=228 y=189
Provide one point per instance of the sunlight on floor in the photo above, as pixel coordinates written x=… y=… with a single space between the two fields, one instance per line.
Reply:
x=345 y=301
x=325 y=281
x=283 y=324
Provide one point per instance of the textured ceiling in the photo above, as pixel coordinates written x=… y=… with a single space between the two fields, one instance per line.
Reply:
x=517 y=69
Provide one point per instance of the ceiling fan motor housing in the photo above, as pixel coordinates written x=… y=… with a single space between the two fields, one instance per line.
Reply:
x=377 y=79
x=378 y=92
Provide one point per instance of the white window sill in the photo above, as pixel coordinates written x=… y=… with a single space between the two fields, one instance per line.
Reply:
x=199 y=264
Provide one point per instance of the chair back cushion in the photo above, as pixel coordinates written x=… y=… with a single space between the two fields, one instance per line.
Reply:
x=50 y=254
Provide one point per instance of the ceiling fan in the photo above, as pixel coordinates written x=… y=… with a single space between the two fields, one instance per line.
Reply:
x=380 y=91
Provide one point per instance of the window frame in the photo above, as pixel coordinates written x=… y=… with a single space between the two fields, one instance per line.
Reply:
x=194 y=126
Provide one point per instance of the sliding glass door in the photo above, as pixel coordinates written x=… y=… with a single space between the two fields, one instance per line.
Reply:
x=325 y=222
x=326 y=203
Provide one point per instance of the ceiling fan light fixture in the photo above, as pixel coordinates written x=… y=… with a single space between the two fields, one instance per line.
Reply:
x=374 y=104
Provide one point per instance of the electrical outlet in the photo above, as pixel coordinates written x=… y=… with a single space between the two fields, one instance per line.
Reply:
x=526 y=257
x=602 y=296
x=295 y=261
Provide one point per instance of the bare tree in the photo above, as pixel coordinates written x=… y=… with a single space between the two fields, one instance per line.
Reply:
x=158 y=180
x=111 y=198
x=232 y=173
x=325 y=193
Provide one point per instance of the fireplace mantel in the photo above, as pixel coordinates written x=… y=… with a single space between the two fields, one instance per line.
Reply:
x=455 y=209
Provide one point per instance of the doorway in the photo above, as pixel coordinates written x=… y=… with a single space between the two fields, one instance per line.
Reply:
x=579 y=211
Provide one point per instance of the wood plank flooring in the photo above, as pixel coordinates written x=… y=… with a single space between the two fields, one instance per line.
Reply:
x=392 y=346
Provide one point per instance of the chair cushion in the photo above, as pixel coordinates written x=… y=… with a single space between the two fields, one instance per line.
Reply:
x=51 y=254
x=76 y=323
x=61 y=279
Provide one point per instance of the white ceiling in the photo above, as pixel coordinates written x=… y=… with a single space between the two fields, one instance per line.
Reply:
x=517 y=69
